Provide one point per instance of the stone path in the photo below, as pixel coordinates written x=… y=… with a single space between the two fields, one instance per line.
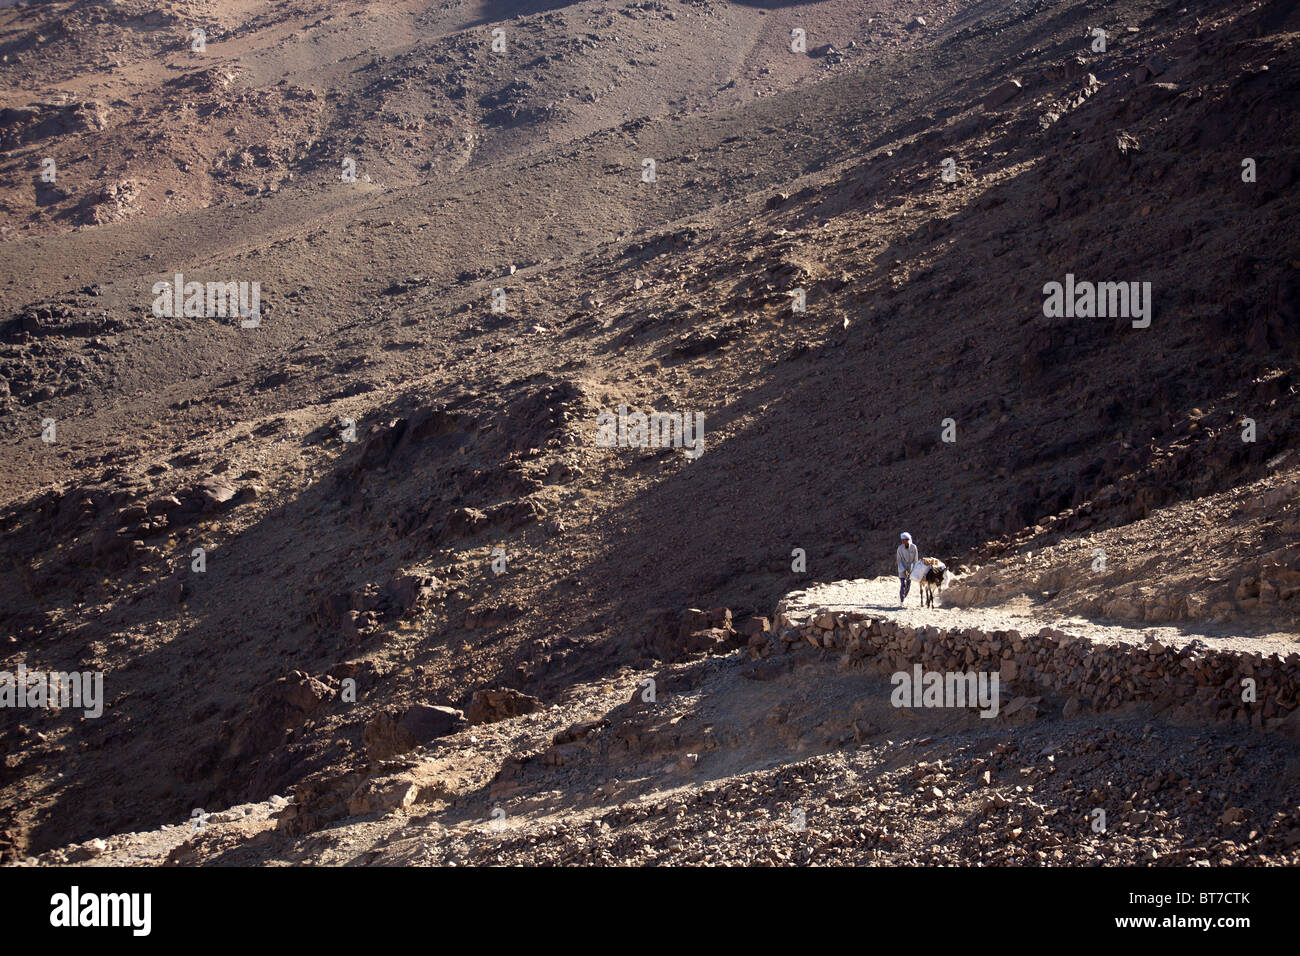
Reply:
x=879 y=596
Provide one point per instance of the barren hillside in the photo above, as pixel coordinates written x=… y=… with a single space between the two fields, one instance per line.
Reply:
x=833 y=257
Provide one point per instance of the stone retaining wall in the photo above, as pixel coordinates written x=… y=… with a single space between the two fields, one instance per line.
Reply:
x=1193 y=681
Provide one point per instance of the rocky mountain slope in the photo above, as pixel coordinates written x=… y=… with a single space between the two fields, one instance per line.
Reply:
x=398 y=489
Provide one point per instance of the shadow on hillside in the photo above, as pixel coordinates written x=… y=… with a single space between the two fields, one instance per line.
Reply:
x=847 y=449
x=494 y=11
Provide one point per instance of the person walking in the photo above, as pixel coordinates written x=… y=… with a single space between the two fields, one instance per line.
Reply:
x=906 y=556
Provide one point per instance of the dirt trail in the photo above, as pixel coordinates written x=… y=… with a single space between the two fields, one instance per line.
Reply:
x=1022 y=614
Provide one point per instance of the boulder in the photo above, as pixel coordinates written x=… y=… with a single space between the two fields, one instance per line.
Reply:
x=1001 y=94
x=406 y=593
x=489 y=706
x=212 y=493
x=384 y=794
x=395 y=731
x=464 y=522
x=163 y=505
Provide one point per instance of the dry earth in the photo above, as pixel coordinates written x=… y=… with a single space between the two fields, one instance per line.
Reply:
x=400 y=491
